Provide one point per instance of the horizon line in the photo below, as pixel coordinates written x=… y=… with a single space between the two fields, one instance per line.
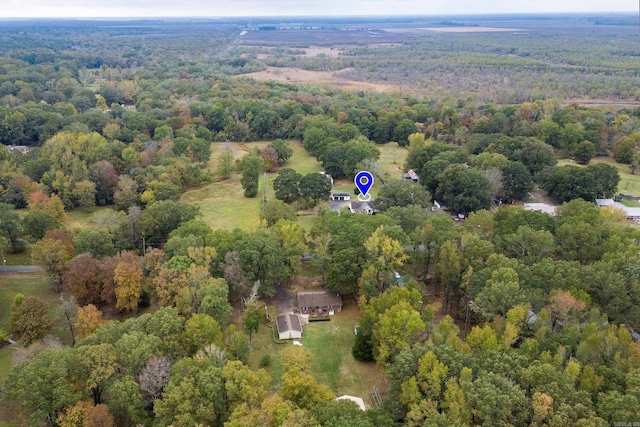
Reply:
x=381 y=15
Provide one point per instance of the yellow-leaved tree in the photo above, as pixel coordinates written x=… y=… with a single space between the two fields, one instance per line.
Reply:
x=128 y=279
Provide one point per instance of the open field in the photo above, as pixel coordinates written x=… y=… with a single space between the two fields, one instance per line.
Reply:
x=322 y=78
x=454 y=29
x=332 y=364
x=629 y=183
x=222 y=203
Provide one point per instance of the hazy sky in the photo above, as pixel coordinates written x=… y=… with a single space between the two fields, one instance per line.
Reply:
x=125 y=8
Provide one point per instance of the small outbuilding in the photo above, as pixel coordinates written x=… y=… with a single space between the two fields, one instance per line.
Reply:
x=411 y=176
x=289 y=326
x=340 y=196
x=319 y=303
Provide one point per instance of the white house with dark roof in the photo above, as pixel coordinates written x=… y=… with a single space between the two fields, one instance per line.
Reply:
x=289 y=326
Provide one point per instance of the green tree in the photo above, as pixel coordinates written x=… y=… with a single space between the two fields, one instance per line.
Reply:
x=225 y=164
x=161 y=218
x=202 y=330
x=496 y=400
x=98 y=364
x=402 y=193
x=464 y=189
x=584 y=152
x=252 y=317
x=536 y=156
x=283 y=150
x=396 y=329
x=251 y=169
x=245 y=386
x=384 y=254
x=501 y=293
x=315 y=186
x=84 y=194
x=10 y=226
x=125 y=401
x=213 y=300
x=572 y=182
x=516 y=182
x=98 y=243
x=608 y=177
x=41 y=385
x=625 y=148
x=287 y=185
x=276 y=210
x=402 y=131
x=37 y=222
x=195 y=396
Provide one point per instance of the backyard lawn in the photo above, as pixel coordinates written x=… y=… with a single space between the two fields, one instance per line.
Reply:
x=332 y=364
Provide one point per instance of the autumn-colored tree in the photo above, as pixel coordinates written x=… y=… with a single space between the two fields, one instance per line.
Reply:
x=84 y=279
x=270 y=158
x=565 y=308
x=53 y=253
x=128 y=279
x=32 y=320
x=89 y=319
x=98 y=416
x=74 y=416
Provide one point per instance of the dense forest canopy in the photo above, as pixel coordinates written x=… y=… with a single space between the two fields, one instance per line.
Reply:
x=510 y=317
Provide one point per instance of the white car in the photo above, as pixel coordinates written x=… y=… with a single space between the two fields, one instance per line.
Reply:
x=298 y=343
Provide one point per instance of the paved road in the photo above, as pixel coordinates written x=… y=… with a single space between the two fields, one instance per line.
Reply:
x=20 y=269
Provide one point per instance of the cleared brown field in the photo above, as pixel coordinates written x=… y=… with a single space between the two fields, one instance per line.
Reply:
x=325 y=78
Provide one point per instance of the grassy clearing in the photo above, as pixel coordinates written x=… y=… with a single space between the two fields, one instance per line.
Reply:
x=79 y=218
x=26 y=284
x=23 y=258
x=222 y=203
x=391 y=161
x=629 y=183
x=332 y=364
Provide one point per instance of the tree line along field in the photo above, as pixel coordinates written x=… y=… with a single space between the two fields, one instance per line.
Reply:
x=140 y=195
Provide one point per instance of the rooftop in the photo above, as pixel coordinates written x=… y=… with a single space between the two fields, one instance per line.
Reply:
x=288 y=322
x=319 y=299
x=541 y=207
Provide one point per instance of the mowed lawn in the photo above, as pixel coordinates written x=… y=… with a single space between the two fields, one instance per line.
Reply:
x=26 y=284
x=332 y=364
x=629 y=183
x=222 y=203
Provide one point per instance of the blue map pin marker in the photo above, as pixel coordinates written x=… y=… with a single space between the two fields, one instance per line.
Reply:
x=364 y=181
